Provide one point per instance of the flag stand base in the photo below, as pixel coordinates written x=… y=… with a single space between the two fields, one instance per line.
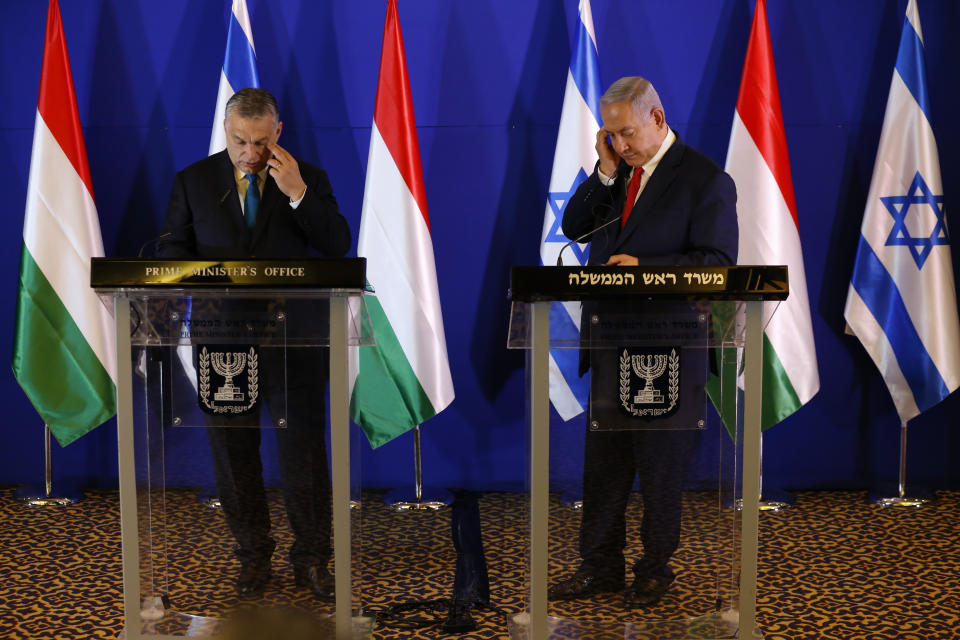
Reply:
x=36 y=496
x=423 y=498
x=916 y=498
x=43 y=495
x=430 y=499
x=900 y=502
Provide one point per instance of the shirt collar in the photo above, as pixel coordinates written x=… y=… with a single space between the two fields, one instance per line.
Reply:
x=650 y=165
x=240 y=177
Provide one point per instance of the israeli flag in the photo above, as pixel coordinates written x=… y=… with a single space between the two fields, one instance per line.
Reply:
x=901 y=303
x=573 y=161
x=239 y=69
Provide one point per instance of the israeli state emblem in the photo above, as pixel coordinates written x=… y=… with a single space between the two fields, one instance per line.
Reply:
x=232 y=374
x=650 y=381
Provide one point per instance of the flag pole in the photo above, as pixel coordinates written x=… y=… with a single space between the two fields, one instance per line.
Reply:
x=44 y=496
x=431 y=499
x=919 y=498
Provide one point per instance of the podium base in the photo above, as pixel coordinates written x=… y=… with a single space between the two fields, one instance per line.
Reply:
x=35 y=495
x=773 y=500
x=431 y=499
x=212 y=500
x=712 y=626
x=155 y=620
x=572 y=501
x=209 y=500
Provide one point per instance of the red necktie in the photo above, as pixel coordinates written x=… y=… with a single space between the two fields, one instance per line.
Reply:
x=632 y=190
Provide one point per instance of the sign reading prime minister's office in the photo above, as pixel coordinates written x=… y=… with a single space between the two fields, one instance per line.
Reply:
x=315 y=273
x=220 y=270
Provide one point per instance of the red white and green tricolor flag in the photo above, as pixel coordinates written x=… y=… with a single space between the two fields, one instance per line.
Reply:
x=769 y=234
x=405 y=379
x=64 y=355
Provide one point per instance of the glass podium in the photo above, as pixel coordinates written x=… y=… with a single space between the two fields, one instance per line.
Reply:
x=674 y=356
x=212 y=354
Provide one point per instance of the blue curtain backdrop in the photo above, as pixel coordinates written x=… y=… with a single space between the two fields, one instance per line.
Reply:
x=487 y=80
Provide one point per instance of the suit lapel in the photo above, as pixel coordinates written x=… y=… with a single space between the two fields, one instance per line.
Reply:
x=227 y=183
x=661 y=179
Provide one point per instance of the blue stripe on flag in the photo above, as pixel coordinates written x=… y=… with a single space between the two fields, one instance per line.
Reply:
x=239 y=62
x=879 y=292
x=568 y=360
x=910 y=66
x=585 y=70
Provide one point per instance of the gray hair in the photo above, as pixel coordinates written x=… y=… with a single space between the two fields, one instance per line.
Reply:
x=635 y=90
x=252 y=103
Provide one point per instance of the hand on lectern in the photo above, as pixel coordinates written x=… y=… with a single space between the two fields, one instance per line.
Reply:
x=622 y=260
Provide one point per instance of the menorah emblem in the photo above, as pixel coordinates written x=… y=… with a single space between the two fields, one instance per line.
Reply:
x=228 y=364
x=649 y=367
x=230 y=398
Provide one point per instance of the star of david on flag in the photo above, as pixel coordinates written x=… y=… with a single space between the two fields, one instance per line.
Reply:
x=558 y=202
x=573 y=161
x=904 y=310
x=899 y=207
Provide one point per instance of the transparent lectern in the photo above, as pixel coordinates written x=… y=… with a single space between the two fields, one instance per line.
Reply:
x=238 y=350
x=674 y=356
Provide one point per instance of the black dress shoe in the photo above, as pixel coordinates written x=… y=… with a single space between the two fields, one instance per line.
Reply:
x=253 y=578
x=583 y=584
x=318 y=579
x=646 y=591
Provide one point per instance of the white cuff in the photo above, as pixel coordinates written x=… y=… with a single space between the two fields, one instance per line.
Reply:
x=296 y=203
x=605 y=180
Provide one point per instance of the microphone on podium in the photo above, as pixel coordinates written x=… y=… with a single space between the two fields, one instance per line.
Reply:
x=162 y=237
x=588 y=233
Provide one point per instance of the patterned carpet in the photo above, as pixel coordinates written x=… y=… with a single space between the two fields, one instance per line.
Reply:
x=831 y=567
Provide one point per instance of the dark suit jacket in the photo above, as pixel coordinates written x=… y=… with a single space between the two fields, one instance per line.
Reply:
x=685 y=215
x=205 y=219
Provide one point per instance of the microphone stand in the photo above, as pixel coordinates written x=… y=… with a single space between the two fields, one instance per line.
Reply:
x=584 y=236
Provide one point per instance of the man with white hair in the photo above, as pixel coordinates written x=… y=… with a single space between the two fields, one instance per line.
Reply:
x=675 y=207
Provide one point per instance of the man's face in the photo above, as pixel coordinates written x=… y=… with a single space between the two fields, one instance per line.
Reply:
x=634 y=138
x=247 y=140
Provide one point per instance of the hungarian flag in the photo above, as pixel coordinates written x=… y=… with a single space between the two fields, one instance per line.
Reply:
x=767 y=213
x=405 y=379
x=64 y=355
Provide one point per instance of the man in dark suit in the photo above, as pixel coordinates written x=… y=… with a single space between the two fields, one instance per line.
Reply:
x=255 y=200
x=667 y=204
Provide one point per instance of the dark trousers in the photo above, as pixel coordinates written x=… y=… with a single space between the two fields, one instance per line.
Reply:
x=613 y=459
x=302 y=453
